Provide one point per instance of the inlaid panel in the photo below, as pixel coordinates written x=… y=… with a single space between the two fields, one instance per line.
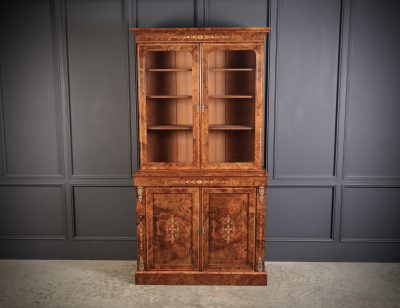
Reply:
x=172 y=228
x=228 y=228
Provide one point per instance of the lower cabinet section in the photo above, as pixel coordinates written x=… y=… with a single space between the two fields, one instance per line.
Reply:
x=201 y=235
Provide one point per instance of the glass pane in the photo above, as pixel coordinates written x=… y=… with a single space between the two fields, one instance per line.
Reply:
x=231 y=105
x=169 y=107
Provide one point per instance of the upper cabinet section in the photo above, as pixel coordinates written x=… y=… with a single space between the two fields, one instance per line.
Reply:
x=200 y=97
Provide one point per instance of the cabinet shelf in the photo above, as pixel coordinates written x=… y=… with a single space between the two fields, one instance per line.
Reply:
x=169 y=69
x=169 y=127
x=239 y=69
x=229 y=96
x=169 y=96
x=228 y=127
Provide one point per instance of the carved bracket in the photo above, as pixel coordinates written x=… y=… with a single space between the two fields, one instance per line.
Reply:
x=140 y=193
x=261 y=193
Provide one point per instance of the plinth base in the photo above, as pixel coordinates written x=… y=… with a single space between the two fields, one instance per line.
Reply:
x=201 y=278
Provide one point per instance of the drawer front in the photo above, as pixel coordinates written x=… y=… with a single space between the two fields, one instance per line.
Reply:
x=172 y=217
x=228 y=229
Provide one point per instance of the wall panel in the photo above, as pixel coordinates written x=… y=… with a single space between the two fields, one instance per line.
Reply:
x=372 y=147
x=295 y=213
x=166 y=14
x=34 y=211
x=30 y=89
x=370 y=214
x=236 y=13
x=306 y=85
x=104 y=212
x=98 y=73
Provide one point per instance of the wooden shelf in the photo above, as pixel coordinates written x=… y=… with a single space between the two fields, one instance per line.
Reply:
x=243 y=69
x=169 y=127
x=229 y=96
x=169 y=69
x=228 y=127
x=169 y=96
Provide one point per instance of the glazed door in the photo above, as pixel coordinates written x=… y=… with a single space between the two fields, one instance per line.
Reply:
x=228 y=229
x=169 y=106
x=172 y=217
x=232 y=106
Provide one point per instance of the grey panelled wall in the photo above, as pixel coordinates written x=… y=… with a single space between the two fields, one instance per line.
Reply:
x=69 y=129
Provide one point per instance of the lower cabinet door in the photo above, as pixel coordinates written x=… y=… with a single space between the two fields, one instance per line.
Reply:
x=172 y=217
x=228 y=229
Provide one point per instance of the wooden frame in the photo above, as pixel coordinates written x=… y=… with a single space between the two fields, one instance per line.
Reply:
x=257 y=97
x=143 y=123
x=201 y=189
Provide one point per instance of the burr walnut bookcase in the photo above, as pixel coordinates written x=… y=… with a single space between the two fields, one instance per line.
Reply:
x=201 y=185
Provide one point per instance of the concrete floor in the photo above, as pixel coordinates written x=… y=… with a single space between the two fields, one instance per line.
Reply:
x=27 y=283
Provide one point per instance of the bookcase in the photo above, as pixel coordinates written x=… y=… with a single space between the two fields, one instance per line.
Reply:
x=201 y=185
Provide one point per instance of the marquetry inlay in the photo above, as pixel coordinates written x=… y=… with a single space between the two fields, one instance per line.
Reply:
x=260 y=231
x=228 y=228
x=172 y=229
x=140 y=231
x=260 y=264
x=200 y=37
x=141 y=264
x=199 y=181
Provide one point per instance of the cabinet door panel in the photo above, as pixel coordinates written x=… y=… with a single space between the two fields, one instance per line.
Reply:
x=168 y=77
x=228 y=229
x=172 y=217
x=232 y=99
